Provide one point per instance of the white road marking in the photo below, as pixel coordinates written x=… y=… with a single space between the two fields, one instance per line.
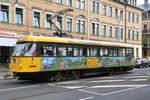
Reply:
x=107 y=77
x=115 y=86
x=114 y=92
x=135 y=77
x=16 y=88
x=72 y=87
x=124 y=90
x=134 y=74
x=69 y=82
x=87 y=98
x=134 y=80
x=95 y=93
x=106 y=81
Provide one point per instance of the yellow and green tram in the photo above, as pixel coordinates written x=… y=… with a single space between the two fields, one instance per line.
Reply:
x=38 y=57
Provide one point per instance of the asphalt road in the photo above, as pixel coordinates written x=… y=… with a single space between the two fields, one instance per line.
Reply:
x=131 y=86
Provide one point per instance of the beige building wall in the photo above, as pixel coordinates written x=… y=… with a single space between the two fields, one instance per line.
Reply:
x=43 y=6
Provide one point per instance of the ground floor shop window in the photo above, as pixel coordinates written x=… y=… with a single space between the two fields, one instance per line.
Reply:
x=5 y=53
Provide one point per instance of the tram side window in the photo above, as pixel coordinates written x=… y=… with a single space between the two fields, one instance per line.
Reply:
x=61 y=51
x=76 y=52
x=111 y=52
x=70 y=52
x=121 y=52
x=83 y=52
x=103 y=52
x=46 y=50
x=130 y=52
x=79 y=51
x=92 y=52
x=115 y=52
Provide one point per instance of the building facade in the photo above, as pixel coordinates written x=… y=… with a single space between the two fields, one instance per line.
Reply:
x=103 y=20
x=146 y=28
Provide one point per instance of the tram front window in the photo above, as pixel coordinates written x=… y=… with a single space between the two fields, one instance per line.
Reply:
x=25 y=49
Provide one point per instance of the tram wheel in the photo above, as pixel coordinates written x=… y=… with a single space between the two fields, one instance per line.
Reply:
x=76 y=74
x=58 y=77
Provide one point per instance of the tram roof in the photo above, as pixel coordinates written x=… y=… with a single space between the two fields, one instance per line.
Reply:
x=71 y=41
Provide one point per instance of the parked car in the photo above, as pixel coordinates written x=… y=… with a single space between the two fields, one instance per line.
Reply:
x=142 y=62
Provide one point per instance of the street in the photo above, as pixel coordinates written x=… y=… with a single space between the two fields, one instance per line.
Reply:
x=133 y=85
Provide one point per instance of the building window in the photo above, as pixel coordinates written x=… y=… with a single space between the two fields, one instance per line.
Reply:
x=137 y=35
x=69 y=24
x=36 y=19
x=121 y=15
x=19 y=16
x=133 y=18
x=4 y=13
x=110 y=31
x=95 y=29
x=121 y=31
x=110 y=12
x=81 y=4
x=59 y=22
x=104 y=10
x=80 y=26
x=129 y=16
x=104 y=30
x=116 y=32
x=95 y=7
x=48 y=23
x=69 y=3
x=144 y=15
x=116 y=13
x=59 y=1
x=137 y=19
x=145 y=26
x=129 y=33
x=133 y=35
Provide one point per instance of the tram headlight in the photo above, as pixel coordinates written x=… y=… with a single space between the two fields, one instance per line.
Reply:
x=11 y=61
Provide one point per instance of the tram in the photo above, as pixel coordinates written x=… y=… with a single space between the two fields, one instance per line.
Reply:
x=39 y=57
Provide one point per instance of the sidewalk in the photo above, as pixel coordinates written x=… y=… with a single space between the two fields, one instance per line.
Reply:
x=4 y=72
